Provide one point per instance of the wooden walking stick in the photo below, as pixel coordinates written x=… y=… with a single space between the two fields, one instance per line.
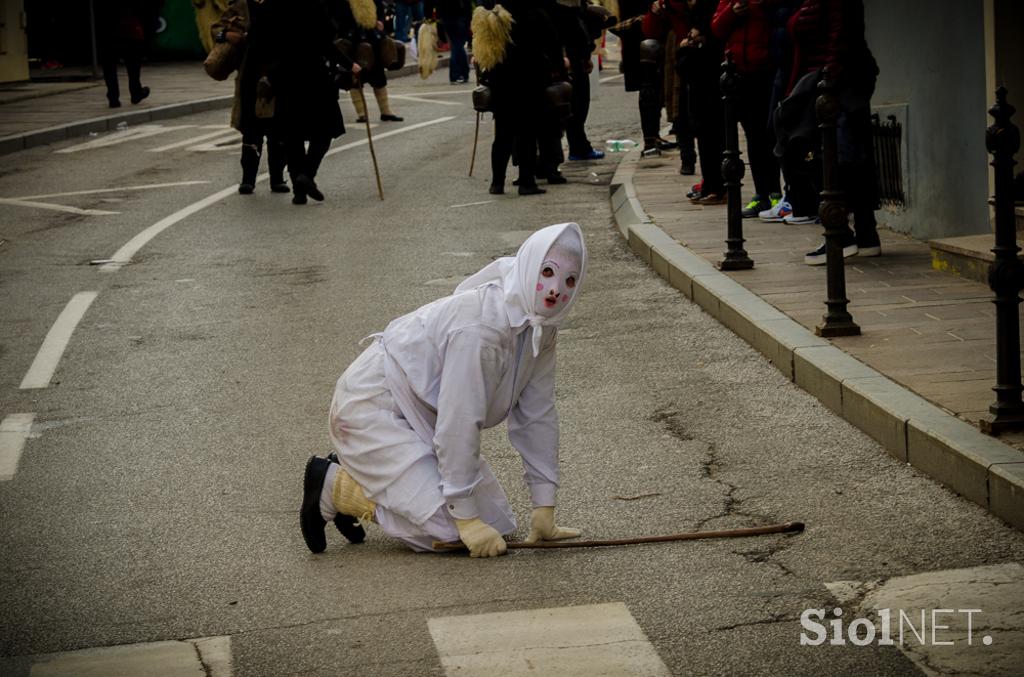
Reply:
x=785 y=528
x=369 y=138
x=476 y=135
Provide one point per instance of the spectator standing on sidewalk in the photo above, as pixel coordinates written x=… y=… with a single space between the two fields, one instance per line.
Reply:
x=363 y=21
x=123 y=29
x=700 y=61
x=668 y=20
x=408 y=14
x=454 y=15
x=745 y=27
x=407 y=414
x=829 y=34
x=578 y=44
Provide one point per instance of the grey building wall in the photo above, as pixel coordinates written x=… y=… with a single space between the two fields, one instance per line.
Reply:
x=932 y=61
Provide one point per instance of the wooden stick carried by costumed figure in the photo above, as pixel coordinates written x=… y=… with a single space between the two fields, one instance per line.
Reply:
x=785 y=528
x=369 y=140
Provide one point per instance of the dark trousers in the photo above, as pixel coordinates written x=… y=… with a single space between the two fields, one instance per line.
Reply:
x=457 y=28
x=650 y=103
x=303 y=162
x=513 y=132
x=709 y=125
x=801 y=167
x=252 y=150
x=133 y=66
x=685 y=136
x=575 y=133
x=753 y=113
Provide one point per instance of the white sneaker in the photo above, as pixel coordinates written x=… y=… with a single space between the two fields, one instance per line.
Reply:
x=776 y=214
x=798 y=220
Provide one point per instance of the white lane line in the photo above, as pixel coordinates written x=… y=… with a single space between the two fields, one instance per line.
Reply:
x=52 y=207
x=209 y=656
x=439 y=92
x=610 y=78
x=409 y=97
x=471 y=204
x=230 y=141
x=14 y=430
x=148 y=186
x=41 y=371
x=221 y=130
x=123 y=256
x=140 y=132
x=596 y=639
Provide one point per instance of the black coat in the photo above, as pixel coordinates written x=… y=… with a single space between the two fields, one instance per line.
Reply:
x=532 y=62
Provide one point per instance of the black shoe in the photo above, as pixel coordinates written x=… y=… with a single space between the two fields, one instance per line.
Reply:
x=531 y=189
x=348 y=526
x=301 y=186
x=114 y=103
x=140 y=95
x=556 y=177
x=299 y=198
x=310 y=520
x=279 y=186
x=391 y=118
x=688 y=168
x=314 y=192
x=664 y=144
x=361 y=119
x=246 y=188
x=496 y=189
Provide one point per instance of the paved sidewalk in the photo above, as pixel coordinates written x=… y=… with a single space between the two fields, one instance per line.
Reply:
x=923 y=367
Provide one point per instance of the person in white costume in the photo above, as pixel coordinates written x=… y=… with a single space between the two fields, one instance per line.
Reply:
x=406 y=416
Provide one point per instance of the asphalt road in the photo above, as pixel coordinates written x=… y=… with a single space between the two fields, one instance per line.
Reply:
x=157 y=496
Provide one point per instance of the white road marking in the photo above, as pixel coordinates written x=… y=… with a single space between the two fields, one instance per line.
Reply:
x=123 y=256
x=140 y=132
x=229 y=141
x=610 y=78
x=439 y=92
x=987 y=642
x=148 y=186
x=593 y=640
x=45 y=364
x=221 y=131
x=52 y=207
x=14 y=431
x=408 y=97
x=202 y=657
x=471 y=204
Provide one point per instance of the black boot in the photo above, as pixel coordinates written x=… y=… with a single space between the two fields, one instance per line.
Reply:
x=250 y=166
x=311 y=522
x=348 y=526
x=276 y=160
x=300 y=183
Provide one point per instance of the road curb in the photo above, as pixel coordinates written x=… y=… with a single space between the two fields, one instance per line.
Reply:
x=912 y=429
x=39 y=137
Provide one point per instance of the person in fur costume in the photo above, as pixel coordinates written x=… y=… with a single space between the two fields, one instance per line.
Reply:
x=363 y=21
x=407 y=414
x=522 y=34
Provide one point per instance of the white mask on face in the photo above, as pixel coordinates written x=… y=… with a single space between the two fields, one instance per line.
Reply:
x=556 y=282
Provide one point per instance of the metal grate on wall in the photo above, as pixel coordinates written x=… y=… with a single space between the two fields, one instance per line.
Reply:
x=888 y=138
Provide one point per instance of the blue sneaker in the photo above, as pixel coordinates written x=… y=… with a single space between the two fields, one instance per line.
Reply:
x=592 y=155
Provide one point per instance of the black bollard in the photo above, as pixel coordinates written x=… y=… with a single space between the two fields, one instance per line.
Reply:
x=837 y=320
x=735 y=257
x=1005 y=274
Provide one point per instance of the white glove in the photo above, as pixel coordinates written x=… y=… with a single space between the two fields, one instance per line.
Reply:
x=542 y=526
x=482 y=539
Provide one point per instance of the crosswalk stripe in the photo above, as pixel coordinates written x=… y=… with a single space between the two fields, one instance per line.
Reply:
x=221 y=131
x=592 y=640
x=140 y=132
x=202 y=657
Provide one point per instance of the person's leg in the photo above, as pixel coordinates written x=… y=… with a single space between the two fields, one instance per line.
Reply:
x=358 y=97
x=295 y=149
x=752 y=112
x=252 y=149
x=710 y=129
x=386 y=114
x=685 y=137
x=108 y=60
x=318 y=147
x=649 y=102
x=276 y=161
x=525 y=147
x=458 y=34
x=575 y=128
x=402 y=13
x=133 y=66
x=501 y=152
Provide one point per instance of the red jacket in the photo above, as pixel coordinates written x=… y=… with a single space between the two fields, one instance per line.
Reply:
x=673 y=16
x=746 y=36
x=820 y=38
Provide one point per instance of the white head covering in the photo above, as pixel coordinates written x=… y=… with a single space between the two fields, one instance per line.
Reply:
x=517 y=276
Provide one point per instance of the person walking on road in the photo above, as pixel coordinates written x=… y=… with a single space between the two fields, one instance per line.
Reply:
x=122 y=30
x=407 y=414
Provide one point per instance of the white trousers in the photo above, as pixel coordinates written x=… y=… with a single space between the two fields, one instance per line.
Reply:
x=395 y=467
